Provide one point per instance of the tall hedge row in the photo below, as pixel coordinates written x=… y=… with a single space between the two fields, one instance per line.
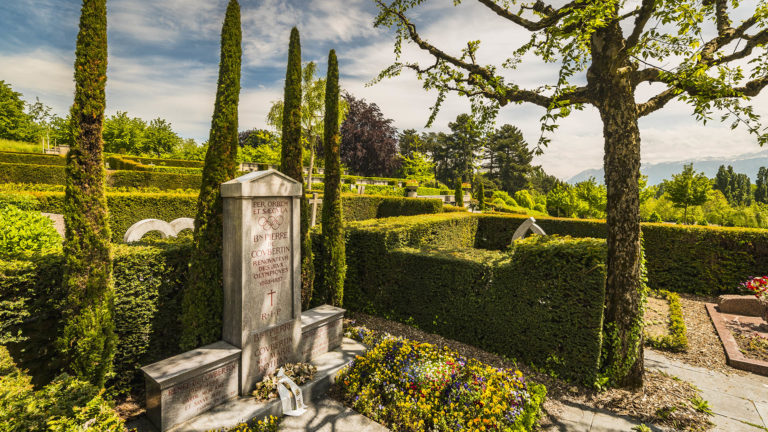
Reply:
x=55 y=174
x=362 y=207
x=119 y=162
x=543 y=301
x=688 y=259
x=148 y=283
x=32 y=158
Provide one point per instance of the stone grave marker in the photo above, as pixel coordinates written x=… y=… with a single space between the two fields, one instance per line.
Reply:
x=263 y=326
x=262 y=271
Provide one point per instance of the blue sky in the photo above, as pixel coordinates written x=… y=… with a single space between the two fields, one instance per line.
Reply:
x=163 y=62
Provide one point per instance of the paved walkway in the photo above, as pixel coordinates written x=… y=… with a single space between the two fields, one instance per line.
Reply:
x=328 y=415
x=740 y=403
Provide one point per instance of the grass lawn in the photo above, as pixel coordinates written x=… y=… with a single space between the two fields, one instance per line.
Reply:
x=19 y=146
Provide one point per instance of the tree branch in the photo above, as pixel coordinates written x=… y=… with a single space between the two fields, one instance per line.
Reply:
x=656 y=102
x=552 y=15
x=645 y=13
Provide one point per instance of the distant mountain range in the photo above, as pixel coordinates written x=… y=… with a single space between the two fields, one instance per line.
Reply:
x=748 y=164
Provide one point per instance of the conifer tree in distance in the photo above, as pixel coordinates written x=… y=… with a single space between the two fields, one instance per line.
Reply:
x=458 y=193
x=87 y=341
x=481 y=197
x=291 y=157
x=202 y=304
x=334 y=258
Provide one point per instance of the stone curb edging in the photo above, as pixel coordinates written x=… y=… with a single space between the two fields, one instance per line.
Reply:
x=734 y=356
x=241 y=410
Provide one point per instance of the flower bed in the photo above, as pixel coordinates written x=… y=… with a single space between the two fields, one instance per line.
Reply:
x=675 y=338
x=411 y=386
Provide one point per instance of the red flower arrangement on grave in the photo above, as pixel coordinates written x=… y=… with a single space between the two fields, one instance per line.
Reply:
x=758 y=286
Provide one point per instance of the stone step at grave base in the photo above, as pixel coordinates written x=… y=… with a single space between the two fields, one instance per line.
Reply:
x=243 y=409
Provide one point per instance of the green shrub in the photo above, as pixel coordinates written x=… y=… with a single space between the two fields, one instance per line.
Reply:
x=654 y=217
x=64 y=405
x=20 y=201
x=26 y=233
x=384 y=190
x=524 y=199
x=422 y=191
x=148 y=280
x=32 y=158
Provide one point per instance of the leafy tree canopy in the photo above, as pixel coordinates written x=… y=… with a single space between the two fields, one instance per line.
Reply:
x=368 y=139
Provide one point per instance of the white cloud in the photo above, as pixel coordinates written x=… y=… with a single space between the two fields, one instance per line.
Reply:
x=182 y=91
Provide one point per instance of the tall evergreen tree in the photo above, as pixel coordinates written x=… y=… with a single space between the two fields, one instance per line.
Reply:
x=509 y=159
x=291 y=157
x=481 y=196
x=202 y=304
x=458 y=193
x=88 y=338
x=334 y=255
x=761 y=192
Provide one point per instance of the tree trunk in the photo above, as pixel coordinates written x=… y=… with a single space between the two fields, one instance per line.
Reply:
x=614 y=95
x=311 y=162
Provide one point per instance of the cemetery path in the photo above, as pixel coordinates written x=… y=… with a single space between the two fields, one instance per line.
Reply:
x=328 y=415
x=739 y=402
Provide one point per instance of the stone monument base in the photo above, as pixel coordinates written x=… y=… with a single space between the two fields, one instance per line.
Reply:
x=187 y=385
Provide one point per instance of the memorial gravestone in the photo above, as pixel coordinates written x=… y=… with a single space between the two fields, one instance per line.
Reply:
x=262 y=271
x=263 y=326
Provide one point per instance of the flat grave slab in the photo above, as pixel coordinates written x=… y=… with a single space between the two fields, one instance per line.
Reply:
x=733 y=354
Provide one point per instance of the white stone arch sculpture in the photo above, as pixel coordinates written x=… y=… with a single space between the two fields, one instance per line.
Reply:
x=181 y=224
x=528 y=225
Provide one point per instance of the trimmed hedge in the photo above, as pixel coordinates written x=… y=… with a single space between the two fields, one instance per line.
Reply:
x=126 y=208
x=148 y=280
x=680 y=258
x=56 y=174
x=32 y=173
x=544 y=300
x=162 y=162
x=32 y=158
x=363 y=207
x=121 y=163
x=161 y=180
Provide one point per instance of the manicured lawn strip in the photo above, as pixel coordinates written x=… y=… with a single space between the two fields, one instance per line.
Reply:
x=406 y=385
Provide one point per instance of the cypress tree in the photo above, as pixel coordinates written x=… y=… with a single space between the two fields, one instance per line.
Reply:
x=87 y=341
x=334 y=255
x=202 y=304
x=481 y=197
x=291 y=157
x=459 y=193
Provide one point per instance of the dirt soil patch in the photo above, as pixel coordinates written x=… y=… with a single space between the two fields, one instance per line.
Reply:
x=704 y=347
x=751 y=335
x=656 y=317
x=664 y=401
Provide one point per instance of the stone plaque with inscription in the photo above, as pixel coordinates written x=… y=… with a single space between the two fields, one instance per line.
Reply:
x=262 y=271
x=183 y=386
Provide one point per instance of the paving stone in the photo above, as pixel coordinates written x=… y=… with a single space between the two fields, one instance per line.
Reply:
x=762 y=409
x=572 y=419
x=731 y=406
x=327 y=415
x=611 y=423
x=727 y=424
